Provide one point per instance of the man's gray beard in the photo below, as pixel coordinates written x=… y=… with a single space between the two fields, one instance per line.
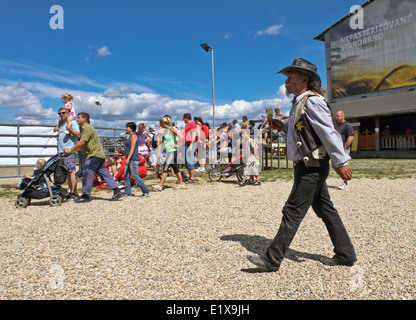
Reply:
x=287 y=93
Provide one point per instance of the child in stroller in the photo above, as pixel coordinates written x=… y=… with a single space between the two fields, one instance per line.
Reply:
x=40 y=186
x=23 y=183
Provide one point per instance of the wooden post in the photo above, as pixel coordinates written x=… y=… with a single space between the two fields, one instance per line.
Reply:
x=377 y=131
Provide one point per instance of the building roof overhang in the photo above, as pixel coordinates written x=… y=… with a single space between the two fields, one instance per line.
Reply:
x=398 y=103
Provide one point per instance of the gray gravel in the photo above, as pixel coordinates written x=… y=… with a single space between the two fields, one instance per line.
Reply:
x=192 y=244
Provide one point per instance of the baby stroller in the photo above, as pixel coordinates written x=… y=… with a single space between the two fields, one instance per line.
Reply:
x=41 y=185
x=234 y=167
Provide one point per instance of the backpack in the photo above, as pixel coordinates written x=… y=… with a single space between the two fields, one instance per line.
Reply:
x=184 y=176
x=59 y=175
x=154 y=142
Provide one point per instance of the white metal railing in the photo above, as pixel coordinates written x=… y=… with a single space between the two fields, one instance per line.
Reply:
x=22 y=144
x=399 y=142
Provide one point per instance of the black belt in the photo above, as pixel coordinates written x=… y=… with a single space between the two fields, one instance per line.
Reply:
x=301 y=161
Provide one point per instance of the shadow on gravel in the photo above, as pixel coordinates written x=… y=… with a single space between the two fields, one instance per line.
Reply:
x=259 y=244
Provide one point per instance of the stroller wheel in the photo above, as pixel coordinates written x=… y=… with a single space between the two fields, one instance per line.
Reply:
x=215 y=174
x=55 y=200
x=240 y=174
x=21 y=202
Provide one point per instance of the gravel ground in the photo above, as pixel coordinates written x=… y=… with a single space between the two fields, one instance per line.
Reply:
x=192 y=244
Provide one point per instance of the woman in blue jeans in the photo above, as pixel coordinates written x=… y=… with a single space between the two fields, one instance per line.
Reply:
x=132 y=161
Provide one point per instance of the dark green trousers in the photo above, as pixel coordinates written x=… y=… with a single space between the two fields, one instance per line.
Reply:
x=309 y=189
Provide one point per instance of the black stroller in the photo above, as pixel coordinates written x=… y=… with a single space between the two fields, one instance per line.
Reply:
x=41 y=185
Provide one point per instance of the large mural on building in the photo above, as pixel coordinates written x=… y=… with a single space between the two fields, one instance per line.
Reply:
x=374 y=49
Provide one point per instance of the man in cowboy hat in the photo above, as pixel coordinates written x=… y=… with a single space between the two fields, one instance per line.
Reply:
x=312 y=140
x=386 y=132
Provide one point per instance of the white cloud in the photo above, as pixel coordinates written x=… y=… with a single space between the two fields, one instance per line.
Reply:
x=17 y=96
x=113 y=92
x=121 y=102
x=46 y=72
x=70 y=80
x=94 y=52
x=253 y=109
x=228 y=35
x=119 y=105
x=270 y=31
x=28 y=107
x=103 y=51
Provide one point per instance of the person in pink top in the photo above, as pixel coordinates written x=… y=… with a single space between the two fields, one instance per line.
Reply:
x=68 y=105
x=190 y=134
x=203 y=142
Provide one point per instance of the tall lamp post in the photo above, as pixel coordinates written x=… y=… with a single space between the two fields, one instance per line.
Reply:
x=101 y=117
x=207 y=48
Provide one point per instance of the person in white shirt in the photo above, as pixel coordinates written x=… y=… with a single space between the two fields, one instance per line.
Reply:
x=236 y=127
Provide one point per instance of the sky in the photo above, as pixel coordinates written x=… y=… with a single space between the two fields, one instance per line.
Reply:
x=143 y=59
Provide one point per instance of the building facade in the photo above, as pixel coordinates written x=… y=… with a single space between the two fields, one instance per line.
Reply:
x=371 y=72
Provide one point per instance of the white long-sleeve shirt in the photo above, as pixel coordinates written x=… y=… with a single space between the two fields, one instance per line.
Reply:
x=320 y=119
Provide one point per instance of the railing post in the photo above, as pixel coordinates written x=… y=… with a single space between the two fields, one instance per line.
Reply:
x=115 y=140
x=18 y=150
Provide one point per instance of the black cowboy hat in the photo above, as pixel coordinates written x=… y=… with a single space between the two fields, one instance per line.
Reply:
x=302 y=66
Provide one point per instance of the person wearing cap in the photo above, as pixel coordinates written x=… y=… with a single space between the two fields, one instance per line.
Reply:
x=312 y=140
x=386 y=132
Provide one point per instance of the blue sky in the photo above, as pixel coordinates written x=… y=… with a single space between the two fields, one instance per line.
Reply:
x=142 y=59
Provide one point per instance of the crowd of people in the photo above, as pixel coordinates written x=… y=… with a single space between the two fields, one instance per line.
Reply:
x=161 y=149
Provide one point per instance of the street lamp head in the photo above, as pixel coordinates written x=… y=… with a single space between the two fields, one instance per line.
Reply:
x=206 y=47
x=97 y=103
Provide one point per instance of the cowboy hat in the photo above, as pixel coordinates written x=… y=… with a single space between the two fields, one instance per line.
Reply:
x=302 y=66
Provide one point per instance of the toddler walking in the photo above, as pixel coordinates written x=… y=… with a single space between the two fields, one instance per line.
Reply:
x=251 y=159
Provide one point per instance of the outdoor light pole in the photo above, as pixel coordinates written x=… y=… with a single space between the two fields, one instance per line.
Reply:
x=207 y=48
x=101 y=117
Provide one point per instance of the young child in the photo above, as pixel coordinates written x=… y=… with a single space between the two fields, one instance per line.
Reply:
x=142 y=138
x=250 y=159
x=39 y=164
x=66 y=99
x=110 y=163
